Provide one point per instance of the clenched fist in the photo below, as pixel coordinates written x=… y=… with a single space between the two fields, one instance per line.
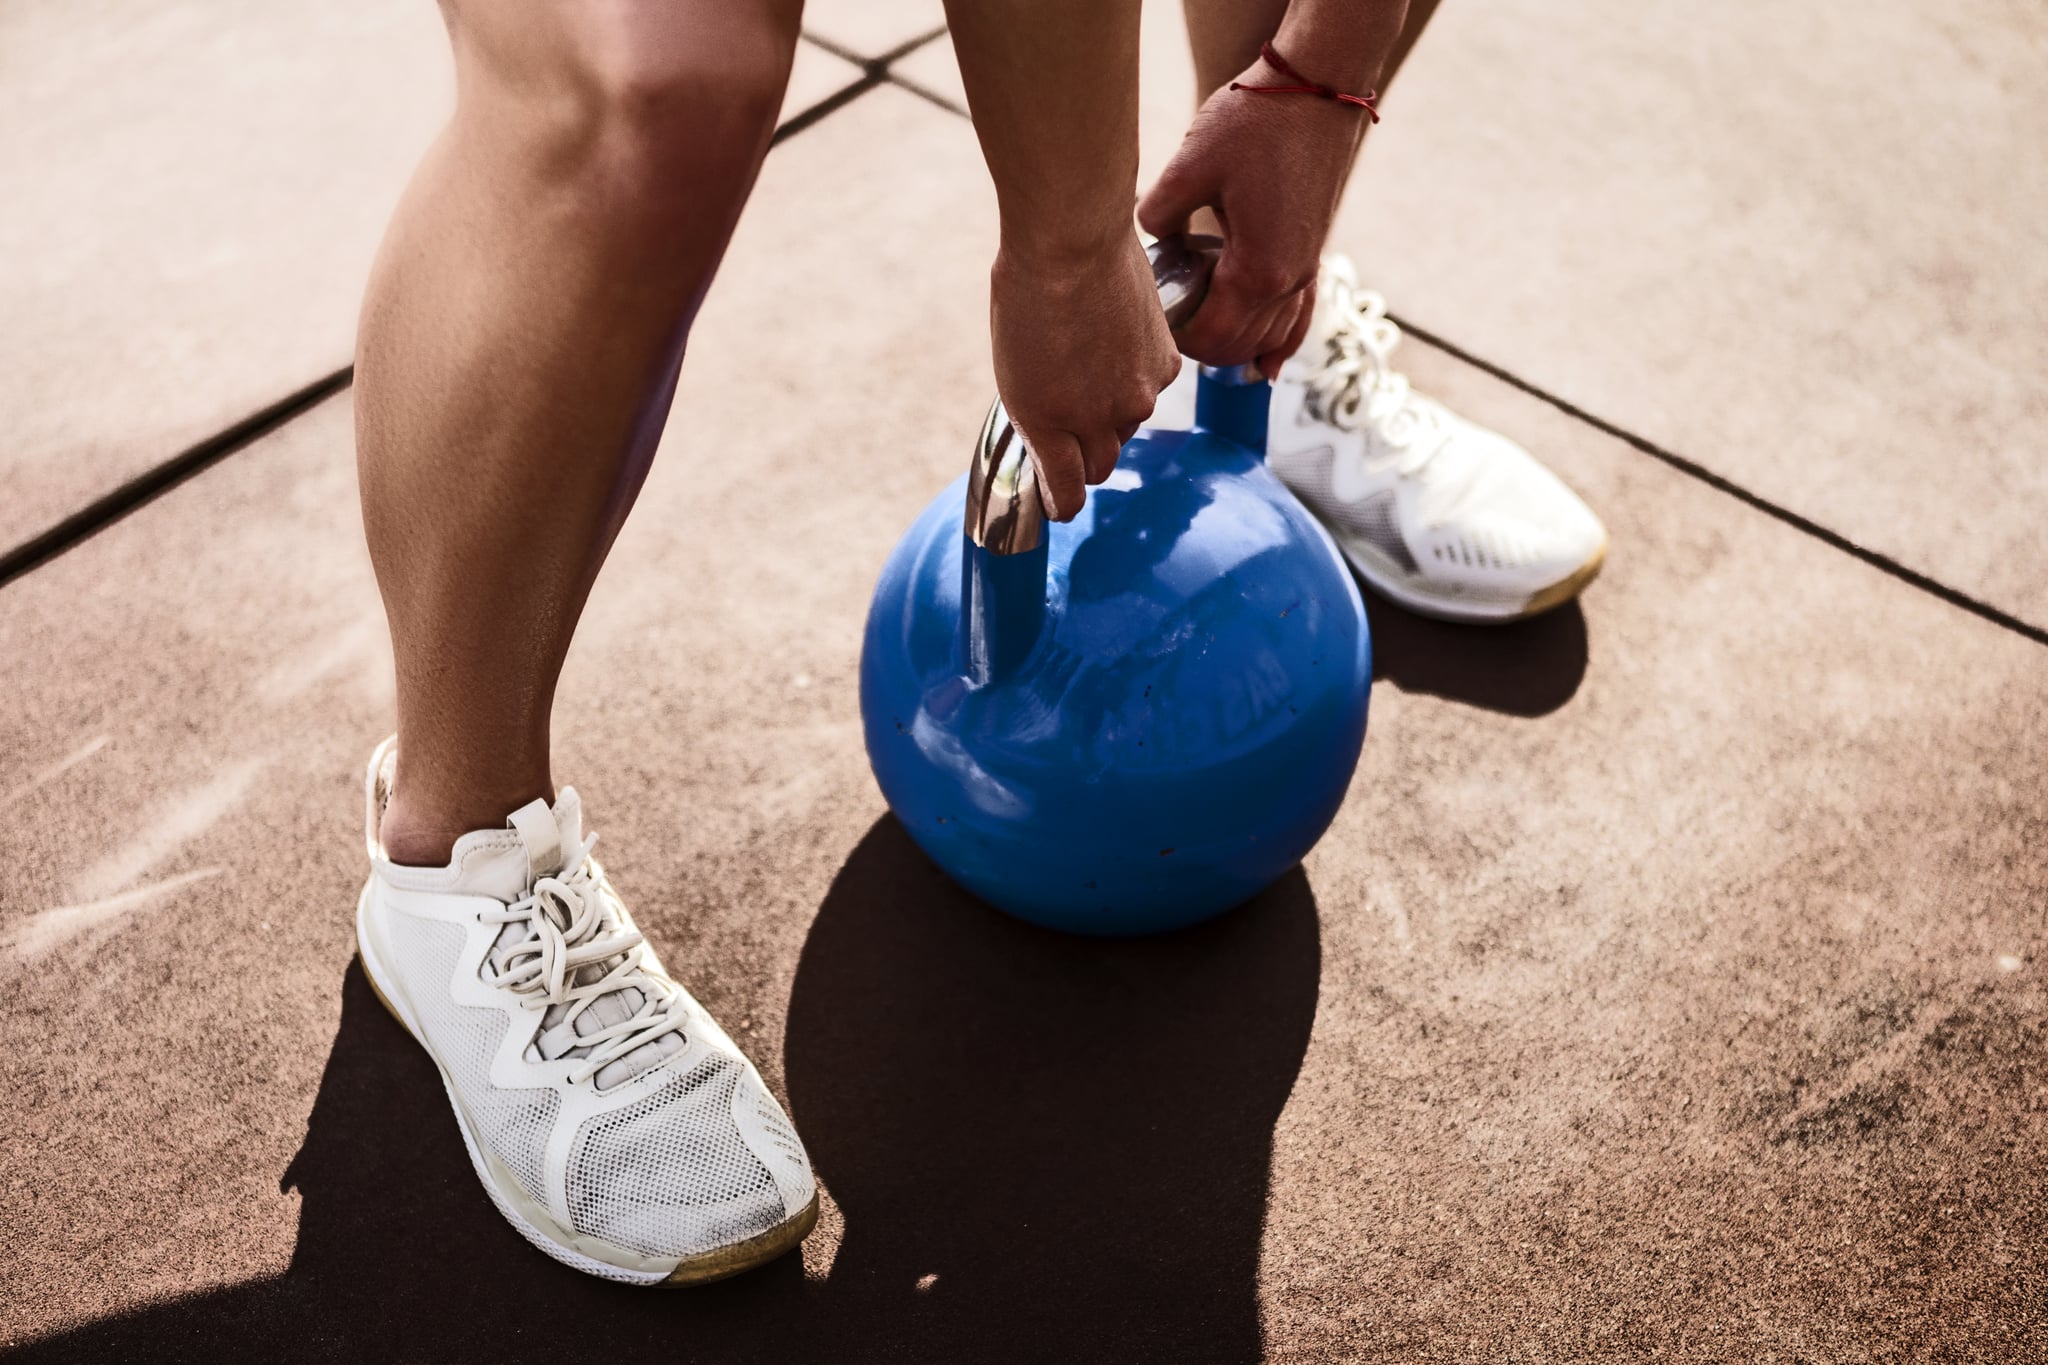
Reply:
x=1271 y=167
x=1081 y=352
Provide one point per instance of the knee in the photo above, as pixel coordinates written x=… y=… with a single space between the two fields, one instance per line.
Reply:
x=646 y=104
x=667 y=80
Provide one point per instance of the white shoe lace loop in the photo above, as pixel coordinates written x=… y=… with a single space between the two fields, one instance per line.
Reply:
x=1357 y=385
x=575 y=924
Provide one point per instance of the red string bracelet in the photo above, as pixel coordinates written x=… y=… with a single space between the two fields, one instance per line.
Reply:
x=1307 y=86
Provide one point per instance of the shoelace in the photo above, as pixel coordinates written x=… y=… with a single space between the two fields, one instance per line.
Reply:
x=573 y=929
x=1358 y=386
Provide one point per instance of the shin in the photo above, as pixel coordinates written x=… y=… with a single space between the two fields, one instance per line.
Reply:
x=517 y=353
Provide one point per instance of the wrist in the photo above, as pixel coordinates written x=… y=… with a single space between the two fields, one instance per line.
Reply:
x=1344 y=55
x=1073 y=246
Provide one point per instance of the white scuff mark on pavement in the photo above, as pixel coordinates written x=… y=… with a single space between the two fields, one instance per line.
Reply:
x=61 y=924
x=794 y=799
x=173 y=825
x=1878 y=1065
x=52 y=772
x=334 y=653
x=1385 y=897
x=823 y=732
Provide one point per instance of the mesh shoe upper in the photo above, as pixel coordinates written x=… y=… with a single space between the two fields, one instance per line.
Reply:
x=1434 y=509
x=673 y=1169
x=619 y=1109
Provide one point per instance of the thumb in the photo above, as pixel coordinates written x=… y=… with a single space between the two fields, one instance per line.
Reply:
x=1180 y=190
x=1062 y=476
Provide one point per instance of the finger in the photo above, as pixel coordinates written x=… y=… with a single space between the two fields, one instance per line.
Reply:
x=1099 y=453
x=1304 y=315
x=1207 y=336
x=1136 y=404
x=1262 y=278
x=1251 y=297
x=1209 y=333
x=1174 y=197
x=1231 y=335
x=1061 y=484
x=1278 y=328
x=1125 y=432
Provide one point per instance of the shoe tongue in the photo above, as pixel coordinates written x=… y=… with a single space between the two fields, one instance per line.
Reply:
x=496 y=867
x=541 y=836
x=568 y=815
x=548 y=836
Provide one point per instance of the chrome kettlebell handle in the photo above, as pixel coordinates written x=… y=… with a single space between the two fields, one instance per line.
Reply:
x=1005 y=511
x=1181 y=267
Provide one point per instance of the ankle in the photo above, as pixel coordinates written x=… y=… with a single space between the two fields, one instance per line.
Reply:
x=422 y=833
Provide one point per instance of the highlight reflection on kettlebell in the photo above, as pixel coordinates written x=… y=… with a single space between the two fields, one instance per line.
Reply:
x=1135 y=720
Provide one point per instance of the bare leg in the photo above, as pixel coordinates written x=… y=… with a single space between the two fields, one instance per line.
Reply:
x=518 y=351
x=1225 y=36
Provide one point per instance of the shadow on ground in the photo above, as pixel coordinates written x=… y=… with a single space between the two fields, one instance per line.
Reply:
x=1072 y=1136
x=1044 y=1148
x=1525 y=668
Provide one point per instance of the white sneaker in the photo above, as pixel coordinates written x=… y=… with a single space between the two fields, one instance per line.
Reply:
x=1439 y=514
x=614 y=1124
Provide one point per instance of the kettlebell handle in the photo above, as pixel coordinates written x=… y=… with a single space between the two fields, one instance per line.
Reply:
x=1005 y=512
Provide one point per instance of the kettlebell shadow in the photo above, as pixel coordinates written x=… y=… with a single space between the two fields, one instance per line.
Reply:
x=1044 y=1147
x=1523 y=668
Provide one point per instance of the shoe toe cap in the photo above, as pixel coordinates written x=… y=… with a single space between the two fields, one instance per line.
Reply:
x=1535 y=528
x=704 y=1160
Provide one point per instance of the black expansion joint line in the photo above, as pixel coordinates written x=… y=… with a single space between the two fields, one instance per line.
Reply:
x=874 y=71
x=104 y=511
x=110 y=507
x=1883 y=563
x=1693 y=469
x=146 y=487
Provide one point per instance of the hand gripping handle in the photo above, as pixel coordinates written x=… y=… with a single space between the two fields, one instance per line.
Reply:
x=1005 y=513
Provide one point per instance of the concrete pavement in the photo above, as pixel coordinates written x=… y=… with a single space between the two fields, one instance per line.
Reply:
x=1669 y=987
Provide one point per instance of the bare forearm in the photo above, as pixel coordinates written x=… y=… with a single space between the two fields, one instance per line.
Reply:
x=1053 y=85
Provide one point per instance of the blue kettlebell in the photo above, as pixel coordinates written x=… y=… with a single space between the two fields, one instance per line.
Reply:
x=1135 y=720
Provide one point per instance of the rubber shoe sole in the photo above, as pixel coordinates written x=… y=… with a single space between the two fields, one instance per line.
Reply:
x=1471 y=611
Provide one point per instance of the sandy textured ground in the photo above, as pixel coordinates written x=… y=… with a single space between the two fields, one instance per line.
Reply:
x=1670 y=987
